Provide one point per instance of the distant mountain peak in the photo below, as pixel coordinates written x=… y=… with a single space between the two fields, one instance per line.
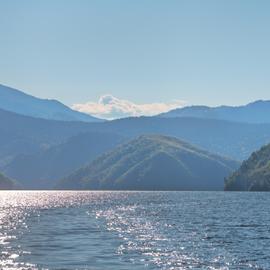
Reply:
x=19 y=102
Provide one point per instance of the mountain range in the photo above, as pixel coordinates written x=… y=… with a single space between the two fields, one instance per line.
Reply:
x=153 y=162
x=37 y=151
x=255 y=112
x=17 y=101
x=26 y=135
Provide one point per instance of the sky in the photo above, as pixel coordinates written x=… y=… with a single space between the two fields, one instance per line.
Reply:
x=146 y=55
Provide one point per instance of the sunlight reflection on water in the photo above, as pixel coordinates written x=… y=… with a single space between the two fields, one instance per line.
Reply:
x=134 y=230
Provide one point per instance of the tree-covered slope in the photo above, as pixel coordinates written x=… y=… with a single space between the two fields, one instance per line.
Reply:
x=254 y=173
x=153 y=162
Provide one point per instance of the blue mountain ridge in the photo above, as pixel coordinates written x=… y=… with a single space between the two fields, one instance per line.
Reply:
x=256 y=112
x=19 y=102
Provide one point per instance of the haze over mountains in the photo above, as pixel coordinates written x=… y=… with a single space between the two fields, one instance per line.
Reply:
x=43 y=168
x=153 y=162
x=26 y=135
x=17 y=101
x=37 y=152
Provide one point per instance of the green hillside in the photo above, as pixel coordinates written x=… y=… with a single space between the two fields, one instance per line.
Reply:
x=254 y=173
x=153 y=162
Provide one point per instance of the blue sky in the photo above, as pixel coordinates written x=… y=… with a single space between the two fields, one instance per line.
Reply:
x=143 y=51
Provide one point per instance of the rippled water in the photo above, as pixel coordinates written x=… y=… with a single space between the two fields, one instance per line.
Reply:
x=134 y=230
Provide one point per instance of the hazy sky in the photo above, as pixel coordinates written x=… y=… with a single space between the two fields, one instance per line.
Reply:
x=144 y=51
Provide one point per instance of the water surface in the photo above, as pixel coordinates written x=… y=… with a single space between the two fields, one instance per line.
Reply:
x=134 y=230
